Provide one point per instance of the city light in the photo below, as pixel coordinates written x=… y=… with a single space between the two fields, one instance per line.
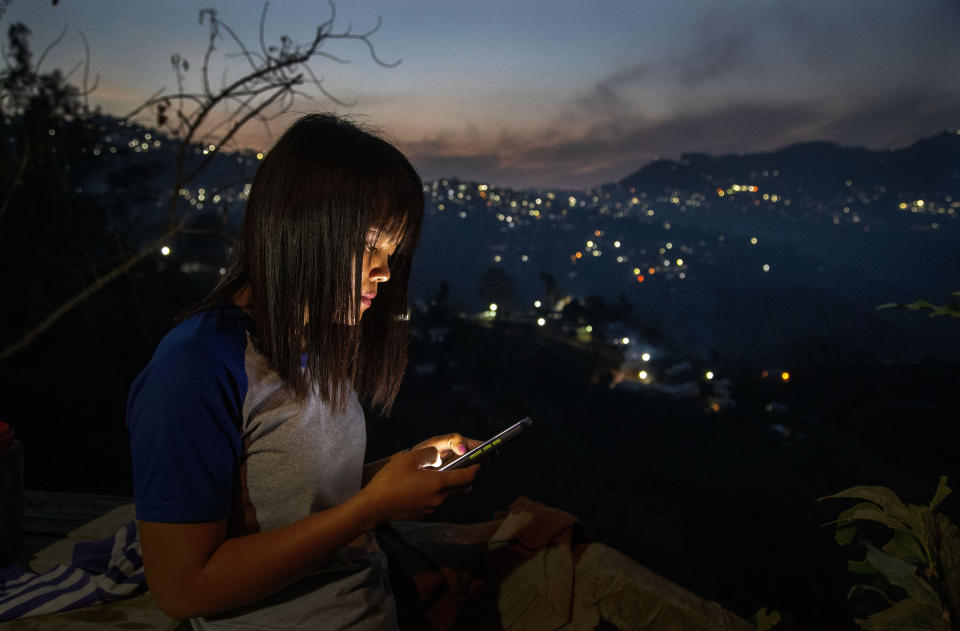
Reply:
x=645 y=357
x=753 y=240
x=766 y=267
x=493 y=307
x=616 y=244
x=165 y=251
x=643 y=374
x=537 y=304
x=625 y=340
x=785 y=376
x=541 y=321
x=709 y=375
x=588 y=329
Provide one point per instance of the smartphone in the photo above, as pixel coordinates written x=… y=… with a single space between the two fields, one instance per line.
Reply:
x=480 y=452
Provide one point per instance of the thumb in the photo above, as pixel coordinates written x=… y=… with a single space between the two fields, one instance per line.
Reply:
x=427 y=457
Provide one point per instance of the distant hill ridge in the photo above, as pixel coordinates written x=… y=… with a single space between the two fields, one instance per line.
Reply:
x=930 y=164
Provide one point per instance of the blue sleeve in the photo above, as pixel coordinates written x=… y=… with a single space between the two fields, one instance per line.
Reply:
x=183 y=414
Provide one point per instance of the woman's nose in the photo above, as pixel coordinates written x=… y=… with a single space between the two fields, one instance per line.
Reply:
x=380 y=271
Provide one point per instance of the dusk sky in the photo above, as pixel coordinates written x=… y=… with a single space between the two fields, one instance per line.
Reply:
x=561 y=93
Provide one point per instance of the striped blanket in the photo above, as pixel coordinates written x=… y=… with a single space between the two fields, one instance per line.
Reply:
x=100 y=571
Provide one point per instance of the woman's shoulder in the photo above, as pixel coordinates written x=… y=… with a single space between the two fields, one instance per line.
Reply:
x=218 y=335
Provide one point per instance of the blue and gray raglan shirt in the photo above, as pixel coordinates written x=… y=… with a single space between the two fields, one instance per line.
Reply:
x=216 y=434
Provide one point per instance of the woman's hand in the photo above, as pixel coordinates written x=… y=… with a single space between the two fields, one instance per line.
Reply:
x=447 y=446
x=404 y=489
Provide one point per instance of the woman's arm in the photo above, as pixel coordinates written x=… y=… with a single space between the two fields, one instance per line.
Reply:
x=193 y=570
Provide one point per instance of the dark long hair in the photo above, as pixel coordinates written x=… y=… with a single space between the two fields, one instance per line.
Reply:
x=315 y=198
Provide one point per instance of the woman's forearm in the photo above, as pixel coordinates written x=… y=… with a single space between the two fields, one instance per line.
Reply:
x=243 y=569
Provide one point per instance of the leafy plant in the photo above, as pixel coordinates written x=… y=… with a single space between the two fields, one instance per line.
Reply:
x=766 y=619
x=919 y=563
x=951 y=309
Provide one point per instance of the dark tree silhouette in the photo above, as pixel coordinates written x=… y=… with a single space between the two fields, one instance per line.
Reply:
x=496 y=286
x=276 y=76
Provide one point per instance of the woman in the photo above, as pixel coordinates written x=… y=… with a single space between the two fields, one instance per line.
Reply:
x=254 y=506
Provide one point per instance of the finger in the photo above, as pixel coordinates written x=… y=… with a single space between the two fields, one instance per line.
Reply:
x=460 y=477
x=460 y=491
x=455 y=443
x=472 y=443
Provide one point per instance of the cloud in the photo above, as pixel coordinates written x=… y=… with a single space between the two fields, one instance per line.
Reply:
x=606 y=92
x=561 y=155
x=721 y=47
x=894 y=120
x=480 y=167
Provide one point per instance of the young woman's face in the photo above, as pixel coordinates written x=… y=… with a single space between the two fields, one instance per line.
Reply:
x=375 y=267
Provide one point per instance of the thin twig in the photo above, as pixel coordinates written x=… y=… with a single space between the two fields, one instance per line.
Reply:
x=50 y=47
x=98 y=284
x=18 y=178
x=86 y=73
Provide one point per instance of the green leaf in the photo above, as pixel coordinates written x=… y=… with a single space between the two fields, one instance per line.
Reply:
x=871 y=589
x=955 y=293
x=861 y=567
x=949 y=557
x=905 y=546
x=907 y=615
x=766 y=619
x=902 y=574
x=880 y=495
x=889 y=305
x=920 y=304
x=844 y=534
x=919 y=518
x=941 y=494
x=846 y=530
x=871 y=514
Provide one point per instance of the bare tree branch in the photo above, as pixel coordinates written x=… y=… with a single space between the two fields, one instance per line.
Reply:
x=275 y=80
x=85 y=90
x=18 y=177
x=50 y=46
x=98 y=284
